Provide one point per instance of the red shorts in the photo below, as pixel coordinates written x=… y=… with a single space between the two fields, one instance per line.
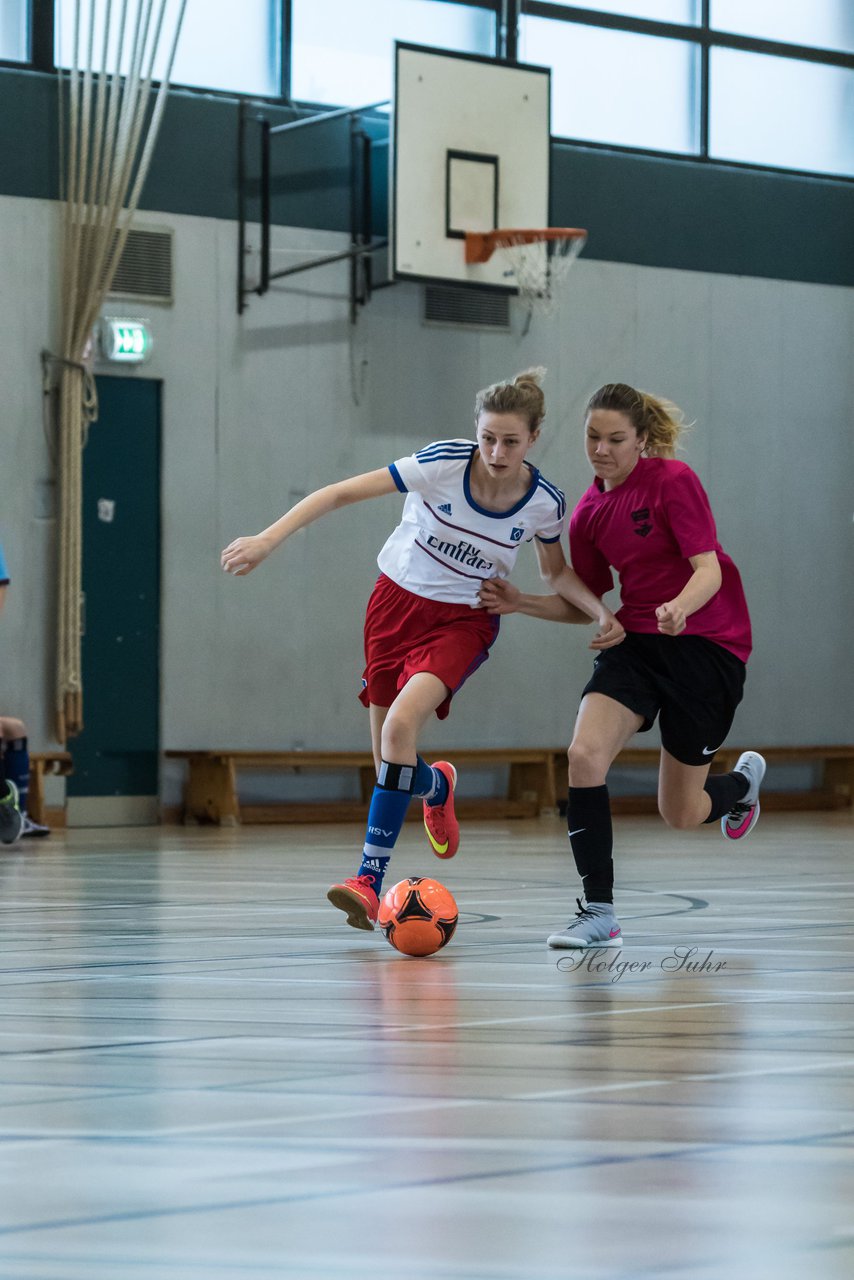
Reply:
x=405 y=634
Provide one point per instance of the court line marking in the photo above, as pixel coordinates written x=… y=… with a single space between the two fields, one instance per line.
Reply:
x=408 y=1106
x=669 y=1153
x=346 y=1034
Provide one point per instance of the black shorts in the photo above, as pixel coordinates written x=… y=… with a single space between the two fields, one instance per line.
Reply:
x=691 y=683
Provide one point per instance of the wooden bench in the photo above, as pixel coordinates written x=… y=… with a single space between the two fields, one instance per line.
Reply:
x=42 y=763
x=536 y=782
x=211 y=791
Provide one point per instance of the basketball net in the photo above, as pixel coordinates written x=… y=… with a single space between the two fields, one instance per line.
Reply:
x=537 y=262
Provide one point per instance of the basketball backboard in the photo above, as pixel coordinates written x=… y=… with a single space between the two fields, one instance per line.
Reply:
x=470 y=152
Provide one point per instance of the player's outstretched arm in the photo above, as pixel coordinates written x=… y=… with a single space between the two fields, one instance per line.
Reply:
x=497 y=595
x=567 y=584
x=245 y=554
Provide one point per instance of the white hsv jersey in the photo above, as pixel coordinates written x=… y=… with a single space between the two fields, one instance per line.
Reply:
x=446 y=545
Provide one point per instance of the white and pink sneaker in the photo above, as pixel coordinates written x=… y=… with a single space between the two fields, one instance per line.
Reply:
x=743 y=816
x=594 y=926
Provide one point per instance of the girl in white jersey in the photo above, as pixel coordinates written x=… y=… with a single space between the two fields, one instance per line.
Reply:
x=469 y=507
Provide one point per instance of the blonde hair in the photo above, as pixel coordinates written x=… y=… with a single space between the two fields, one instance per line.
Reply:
x=660 y=421
x=522 y=395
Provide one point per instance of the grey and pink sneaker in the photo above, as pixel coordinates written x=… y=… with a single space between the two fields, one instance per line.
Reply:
x=744 y=814
x=594 y=926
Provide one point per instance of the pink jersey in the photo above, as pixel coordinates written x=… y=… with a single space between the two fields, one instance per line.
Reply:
x=647 y=528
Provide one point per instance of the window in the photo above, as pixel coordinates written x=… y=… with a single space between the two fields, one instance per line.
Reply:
x=761 y=82
x=685 y=11
x=342 y=52
x=781 y=112
x=819 y=24
x=14 y=34
x=222 y=45
x=229 y=46
x=615 y=86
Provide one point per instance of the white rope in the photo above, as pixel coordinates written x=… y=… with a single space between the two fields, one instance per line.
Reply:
x=105 y=152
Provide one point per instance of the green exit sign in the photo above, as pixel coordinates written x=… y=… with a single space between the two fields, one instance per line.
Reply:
x=125 y=341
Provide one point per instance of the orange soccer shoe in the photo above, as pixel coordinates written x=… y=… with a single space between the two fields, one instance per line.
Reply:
x=440 y=821
x=358 y=899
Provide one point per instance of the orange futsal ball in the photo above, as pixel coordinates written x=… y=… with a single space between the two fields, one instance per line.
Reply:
x=418 y=916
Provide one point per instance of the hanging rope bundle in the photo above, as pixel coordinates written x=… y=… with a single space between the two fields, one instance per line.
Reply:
x=108 y=128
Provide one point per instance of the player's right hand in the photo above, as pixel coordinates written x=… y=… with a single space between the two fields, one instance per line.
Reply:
x=244 y=554
x=497 y=595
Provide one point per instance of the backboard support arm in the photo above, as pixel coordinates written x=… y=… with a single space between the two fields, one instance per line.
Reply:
x=362 y=243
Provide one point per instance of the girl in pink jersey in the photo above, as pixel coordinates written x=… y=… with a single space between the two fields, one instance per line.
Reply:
x=469 y=507
x=683 y=658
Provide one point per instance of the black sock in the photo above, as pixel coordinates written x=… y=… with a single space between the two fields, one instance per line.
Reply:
x=588 y=820
x=724 y=790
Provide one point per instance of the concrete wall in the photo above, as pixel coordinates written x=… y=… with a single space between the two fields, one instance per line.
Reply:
x=260 y=409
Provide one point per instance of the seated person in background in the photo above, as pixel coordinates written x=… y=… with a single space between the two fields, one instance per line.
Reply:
x=16 y=769
x=11 y=821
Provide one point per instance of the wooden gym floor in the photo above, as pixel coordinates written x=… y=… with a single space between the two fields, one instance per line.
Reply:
x=205 y=1073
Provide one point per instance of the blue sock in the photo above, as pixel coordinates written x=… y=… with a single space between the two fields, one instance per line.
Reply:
x=374 y=866
x=16 y=763
x=431 y=784
x=386 y=815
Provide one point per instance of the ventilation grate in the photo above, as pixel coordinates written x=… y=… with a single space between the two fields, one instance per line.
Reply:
x=466 y=307
x=145 y=267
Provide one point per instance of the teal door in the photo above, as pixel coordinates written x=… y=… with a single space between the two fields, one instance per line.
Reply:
x=117 y=752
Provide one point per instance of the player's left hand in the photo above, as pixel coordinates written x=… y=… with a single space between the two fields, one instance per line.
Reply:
x=610 y=632
x=671 y=618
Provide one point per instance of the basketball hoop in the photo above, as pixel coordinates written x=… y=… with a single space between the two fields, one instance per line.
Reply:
x=537 y=259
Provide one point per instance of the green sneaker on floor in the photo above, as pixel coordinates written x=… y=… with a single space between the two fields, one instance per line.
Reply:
x=33 y=829
x=11 y=818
